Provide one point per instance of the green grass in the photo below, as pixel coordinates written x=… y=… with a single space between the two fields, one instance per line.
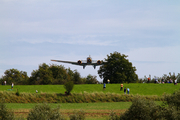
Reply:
x=82 y=106
x=135 y=88
x=98 y=108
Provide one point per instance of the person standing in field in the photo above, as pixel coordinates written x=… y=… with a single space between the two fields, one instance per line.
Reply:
x=4 y=82
x=148 y=80
x=175 y=82
x=162 y=81
x=128 y=90
x=124 y=90
x=104 y=86
x=121 y=87
x=12 y=85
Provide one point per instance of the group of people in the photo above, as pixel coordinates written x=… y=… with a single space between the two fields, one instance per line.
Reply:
x=125 y=90
x=164 y=81
x=4 y=83
x=128 y=90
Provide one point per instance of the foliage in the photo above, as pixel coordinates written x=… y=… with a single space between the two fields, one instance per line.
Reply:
x=77 y=77
x=142 y=109
x=73 y=98
x=69 y=86
x=79 y=115
x=17 y=92
x=174 y=100
x=41 y=76
x=54 y=74
x=5 y=114
x=91 y=79
x=113 y=116
x=44 y=112
x=59 y=73
x=117 y=69
x=15 y=76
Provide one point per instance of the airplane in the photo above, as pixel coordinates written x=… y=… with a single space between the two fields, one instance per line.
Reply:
x=89 y=61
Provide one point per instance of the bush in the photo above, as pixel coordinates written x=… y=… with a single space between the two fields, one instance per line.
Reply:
x=17 y=93
x=113 y=116
x=79 y=115
x=68 y=86
x=5 y=114
x=173 y=100
x=142 y=109
x=44 y=112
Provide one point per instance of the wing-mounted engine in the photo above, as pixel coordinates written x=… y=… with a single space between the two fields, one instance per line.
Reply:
x=99 y=62
x=79 y=62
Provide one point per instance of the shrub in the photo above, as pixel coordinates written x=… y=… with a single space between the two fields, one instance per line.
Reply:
x=142 y=109
x=17 y=93
x=173 y=100
x=79 y=115
x=5 y=114
x=68 y=86
x=44 y=112
x=113 y=116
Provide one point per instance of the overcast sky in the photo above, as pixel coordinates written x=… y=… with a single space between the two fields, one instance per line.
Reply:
x=33 y=32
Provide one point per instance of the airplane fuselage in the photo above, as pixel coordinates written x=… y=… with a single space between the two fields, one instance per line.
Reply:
x=89 y=60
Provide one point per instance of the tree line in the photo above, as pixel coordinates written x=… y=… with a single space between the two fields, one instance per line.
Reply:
x=45 y=75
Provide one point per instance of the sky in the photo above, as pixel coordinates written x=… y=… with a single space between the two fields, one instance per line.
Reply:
x=33 y=32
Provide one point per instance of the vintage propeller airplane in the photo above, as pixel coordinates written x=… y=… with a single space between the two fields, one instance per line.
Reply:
x=83 y=63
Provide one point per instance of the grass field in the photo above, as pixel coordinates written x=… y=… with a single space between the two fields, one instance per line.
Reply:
x=135 y=88
x=93 y=111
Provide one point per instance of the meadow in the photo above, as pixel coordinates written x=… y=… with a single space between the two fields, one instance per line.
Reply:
x=135 y=88
x=97 y=110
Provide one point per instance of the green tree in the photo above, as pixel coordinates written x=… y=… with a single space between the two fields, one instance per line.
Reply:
x=69 y=86
x=77 y=77
x=41 y=76
x=15 y=76
x=118 y=69
x=59 y=73
x=91 y=79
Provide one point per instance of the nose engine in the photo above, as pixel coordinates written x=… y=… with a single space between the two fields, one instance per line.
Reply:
x=98 y=62
x=79 y=62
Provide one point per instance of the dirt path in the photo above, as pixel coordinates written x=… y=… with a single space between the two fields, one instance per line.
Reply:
x=91 y=113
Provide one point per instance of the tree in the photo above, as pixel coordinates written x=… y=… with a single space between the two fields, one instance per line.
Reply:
x=118 y=69
x=69 y=86
x=77 y=77
x=91 y=79
x=59 y=73
x=41 y=76
x=15 y=76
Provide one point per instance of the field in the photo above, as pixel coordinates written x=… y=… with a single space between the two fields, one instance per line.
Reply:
x=135 y=88
x=93 y=110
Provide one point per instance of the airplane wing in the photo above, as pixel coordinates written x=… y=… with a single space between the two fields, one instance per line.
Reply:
x=75 y=63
